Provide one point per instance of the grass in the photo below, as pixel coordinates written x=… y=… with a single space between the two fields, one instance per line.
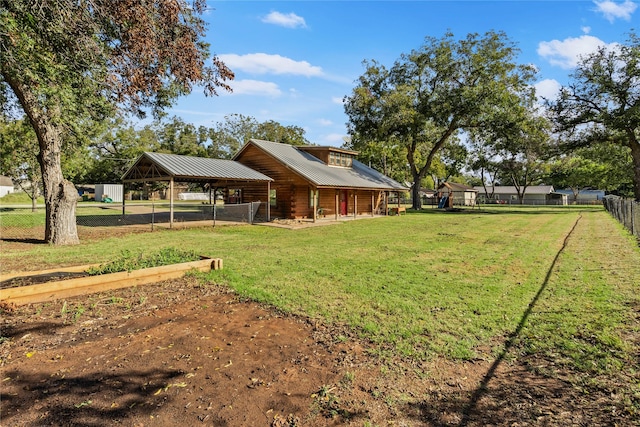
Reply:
x=432 y=283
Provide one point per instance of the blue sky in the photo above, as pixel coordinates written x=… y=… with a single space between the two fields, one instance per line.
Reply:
x=294 y=61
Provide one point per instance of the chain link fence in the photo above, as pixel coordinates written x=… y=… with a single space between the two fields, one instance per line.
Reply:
x=626 y=211
x=23 y=222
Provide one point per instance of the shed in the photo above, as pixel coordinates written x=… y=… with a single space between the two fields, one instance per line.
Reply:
x=113 y=192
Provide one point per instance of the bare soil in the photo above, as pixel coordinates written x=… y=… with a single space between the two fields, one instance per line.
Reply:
x=180 y=352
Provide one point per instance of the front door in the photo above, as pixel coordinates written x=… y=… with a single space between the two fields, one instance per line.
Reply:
x=344 y=196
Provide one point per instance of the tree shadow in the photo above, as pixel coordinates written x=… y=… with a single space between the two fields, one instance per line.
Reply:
x=20 y=330
x=463 y=408
x=25 y=240
x=73 y=400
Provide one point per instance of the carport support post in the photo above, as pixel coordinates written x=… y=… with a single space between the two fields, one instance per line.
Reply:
x=171 y=203
x=124 y=191
x=386 y=203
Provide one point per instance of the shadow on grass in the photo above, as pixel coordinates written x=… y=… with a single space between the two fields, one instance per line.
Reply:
x=464 y=408
x=25 y=240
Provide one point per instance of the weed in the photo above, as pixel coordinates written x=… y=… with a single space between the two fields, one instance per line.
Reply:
x=129 y=261
x=63 y=310
x=77 y=312
x=348 y=378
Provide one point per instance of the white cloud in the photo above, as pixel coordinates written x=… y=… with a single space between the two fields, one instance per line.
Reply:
x=262 y=63
x=586 y=30
x=612 y=10
x=254 y=87
x=289 y=20
x=325 y=122
x=566 y=53
x=548 y=89
x=337 y=100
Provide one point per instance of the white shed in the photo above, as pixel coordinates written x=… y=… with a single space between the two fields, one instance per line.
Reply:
x=112 y=191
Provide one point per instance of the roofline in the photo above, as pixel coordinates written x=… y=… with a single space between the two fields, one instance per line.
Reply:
x=327 y=147
x=306 y=178
x=274 y=157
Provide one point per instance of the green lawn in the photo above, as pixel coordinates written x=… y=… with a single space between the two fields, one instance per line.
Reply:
x=427 y=284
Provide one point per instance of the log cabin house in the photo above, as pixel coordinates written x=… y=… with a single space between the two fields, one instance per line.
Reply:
x=315 y=181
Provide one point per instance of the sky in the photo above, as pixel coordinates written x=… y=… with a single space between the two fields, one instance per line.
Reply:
x=295 y=61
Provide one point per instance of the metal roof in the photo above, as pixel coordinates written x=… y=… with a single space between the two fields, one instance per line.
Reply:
x=510 y=189
x=160 y=166
x=322 y=175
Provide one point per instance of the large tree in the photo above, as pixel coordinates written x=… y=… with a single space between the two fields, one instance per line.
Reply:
x=433 y=94
x=602 y=103
x=67 y=62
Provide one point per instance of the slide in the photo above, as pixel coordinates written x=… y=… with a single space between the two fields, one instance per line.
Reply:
x=443 y=202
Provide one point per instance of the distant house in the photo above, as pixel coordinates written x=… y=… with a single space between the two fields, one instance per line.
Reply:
x=457 y=194
x=534 y=195
x=311 y=180
x=584 y=196
x=6 y=185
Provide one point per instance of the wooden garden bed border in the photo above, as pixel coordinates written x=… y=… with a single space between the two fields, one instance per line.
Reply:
x=105 y=282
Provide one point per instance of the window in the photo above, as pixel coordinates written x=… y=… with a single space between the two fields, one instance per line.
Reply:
x=340 y=159
x=273 y=200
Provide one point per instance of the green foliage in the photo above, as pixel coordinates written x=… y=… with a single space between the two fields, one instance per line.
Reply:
x=431 y=95
x=129 y=261
x=602 y=102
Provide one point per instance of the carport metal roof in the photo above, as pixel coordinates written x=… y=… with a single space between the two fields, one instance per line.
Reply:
x=177 y=168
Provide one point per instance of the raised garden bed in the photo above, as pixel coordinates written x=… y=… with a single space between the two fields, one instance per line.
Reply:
x=56 y=289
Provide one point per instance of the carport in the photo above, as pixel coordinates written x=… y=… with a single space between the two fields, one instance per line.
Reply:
x=217 y=173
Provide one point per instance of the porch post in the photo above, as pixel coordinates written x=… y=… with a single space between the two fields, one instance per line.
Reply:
x=355 y=204
x=337 y=203
x=268 y=201
x=373 y=194
x=314 y=202
x=171 y=203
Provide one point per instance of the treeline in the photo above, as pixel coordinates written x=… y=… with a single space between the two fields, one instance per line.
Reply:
x=104 y=152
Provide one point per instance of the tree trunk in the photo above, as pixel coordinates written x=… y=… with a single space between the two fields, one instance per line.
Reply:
x=60 y=198
x=415 y=194
x=60 y=195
